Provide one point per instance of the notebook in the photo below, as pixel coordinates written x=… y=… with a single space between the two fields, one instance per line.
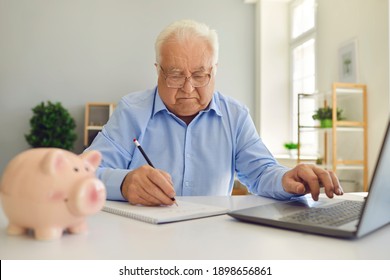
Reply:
x=163 y=214
x=323 y=216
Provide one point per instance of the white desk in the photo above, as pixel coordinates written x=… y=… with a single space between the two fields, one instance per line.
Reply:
x=221 y=237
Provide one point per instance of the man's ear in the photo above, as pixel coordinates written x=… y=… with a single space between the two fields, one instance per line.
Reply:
x=215 y=67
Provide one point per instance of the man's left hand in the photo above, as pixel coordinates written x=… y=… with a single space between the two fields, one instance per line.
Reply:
x=309 y=178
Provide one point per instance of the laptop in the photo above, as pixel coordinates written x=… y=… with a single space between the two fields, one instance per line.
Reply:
x=324 y=216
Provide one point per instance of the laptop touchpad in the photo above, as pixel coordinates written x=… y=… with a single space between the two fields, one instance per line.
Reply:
x=280 y=209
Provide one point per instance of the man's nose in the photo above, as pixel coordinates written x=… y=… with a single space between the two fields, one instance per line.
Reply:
x=188 y=87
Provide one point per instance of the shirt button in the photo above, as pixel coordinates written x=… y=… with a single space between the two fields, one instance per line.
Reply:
x=187 y=183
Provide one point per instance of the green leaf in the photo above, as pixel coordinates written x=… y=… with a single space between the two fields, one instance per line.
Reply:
x=51 y=126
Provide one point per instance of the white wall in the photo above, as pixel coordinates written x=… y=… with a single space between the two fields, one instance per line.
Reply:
x=78 y=51
x=367 y=22
x=274 y=115
x=338 y=21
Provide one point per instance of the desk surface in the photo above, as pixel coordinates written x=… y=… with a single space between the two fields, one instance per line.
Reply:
x=221 y=237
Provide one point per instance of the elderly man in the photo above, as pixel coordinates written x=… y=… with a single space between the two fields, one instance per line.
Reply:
x=198 y=139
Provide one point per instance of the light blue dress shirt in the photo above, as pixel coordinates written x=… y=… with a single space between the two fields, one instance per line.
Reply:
x=203 y=157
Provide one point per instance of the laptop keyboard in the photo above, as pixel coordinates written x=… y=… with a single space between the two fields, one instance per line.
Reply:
x=336 y=215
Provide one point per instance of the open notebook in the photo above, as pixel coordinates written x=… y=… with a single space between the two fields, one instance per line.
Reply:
x=163 y=214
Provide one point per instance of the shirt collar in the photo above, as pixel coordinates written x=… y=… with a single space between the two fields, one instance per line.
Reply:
x=160 y=106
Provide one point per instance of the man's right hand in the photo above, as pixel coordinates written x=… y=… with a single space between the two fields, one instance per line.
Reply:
x=148 y=186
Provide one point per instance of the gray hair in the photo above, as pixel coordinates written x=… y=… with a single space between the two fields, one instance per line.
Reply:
x=184 y=29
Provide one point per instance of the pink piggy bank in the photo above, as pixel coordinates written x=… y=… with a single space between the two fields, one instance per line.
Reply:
x=50 y=190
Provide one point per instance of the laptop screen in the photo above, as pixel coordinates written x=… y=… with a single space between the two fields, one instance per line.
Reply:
x=376 y=212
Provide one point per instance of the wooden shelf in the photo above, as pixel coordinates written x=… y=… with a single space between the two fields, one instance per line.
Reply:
x=330 y=157
x=96 y=116
x=94 y=127
x=338 y=128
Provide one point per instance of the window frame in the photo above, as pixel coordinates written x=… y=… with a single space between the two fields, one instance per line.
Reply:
x=299 y=40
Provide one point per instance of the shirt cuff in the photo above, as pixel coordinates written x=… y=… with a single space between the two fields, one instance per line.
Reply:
x=271 y=184
x=279 y=192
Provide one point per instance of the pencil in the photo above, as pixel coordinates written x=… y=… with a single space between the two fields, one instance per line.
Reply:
x=138 y=145
x=143 y=152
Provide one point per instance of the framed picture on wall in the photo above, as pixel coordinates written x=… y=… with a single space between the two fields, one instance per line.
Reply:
x=348 y=66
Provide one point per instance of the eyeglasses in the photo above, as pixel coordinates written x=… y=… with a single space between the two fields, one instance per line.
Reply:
x=197 y=79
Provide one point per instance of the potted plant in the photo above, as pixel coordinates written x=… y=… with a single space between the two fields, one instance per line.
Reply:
x=324 y=115
x=291 y=147
x=51 y=126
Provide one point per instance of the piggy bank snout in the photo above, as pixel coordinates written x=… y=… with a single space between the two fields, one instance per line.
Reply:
x=88 y=198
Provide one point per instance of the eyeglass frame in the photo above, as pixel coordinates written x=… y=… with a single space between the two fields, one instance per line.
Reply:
x=185 y=78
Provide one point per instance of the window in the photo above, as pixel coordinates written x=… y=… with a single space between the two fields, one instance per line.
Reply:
x=303 y=17
x=303 y=61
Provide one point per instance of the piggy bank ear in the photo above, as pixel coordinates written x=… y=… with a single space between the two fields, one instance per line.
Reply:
x=53 y=162
x=93 y=157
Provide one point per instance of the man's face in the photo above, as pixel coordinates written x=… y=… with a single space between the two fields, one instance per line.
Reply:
x=184 y=59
